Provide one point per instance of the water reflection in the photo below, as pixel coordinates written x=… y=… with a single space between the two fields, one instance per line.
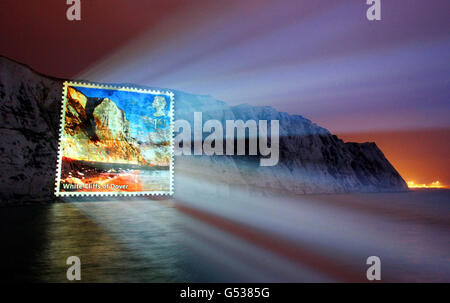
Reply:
x=212 y=232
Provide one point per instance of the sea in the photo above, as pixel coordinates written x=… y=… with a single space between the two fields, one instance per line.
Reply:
x=215 y=233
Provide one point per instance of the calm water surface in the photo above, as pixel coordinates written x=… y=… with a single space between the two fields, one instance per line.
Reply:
x=228 y=235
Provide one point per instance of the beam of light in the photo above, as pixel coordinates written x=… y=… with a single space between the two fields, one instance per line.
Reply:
x=294 y=61
x=212 y=231
x=226 y=233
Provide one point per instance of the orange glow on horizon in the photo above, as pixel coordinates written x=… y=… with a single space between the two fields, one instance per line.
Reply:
x=419 y=155
x=435 y=184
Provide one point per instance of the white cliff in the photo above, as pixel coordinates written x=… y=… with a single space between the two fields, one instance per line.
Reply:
x=312 y=160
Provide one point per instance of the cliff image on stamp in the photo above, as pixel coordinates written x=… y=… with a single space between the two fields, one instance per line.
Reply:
x=114 y=140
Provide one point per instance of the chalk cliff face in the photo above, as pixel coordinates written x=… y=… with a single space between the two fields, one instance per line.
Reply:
x=312 y=160
x=28 y=132
x=97 y=130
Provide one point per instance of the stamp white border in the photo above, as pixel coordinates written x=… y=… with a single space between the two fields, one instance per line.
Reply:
x=170 y=94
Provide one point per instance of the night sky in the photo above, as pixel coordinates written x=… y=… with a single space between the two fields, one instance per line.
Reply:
x=386 y=81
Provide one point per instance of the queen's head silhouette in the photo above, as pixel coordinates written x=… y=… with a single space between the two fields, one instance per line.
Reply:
x=159 y=104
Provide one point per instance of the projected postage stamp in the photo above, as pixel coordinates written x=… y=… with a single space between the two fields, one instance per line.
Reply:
x=115 y=141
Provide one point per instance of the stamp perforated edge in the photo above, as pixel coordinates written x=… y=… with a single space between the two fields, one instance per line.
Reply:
x=170 y=94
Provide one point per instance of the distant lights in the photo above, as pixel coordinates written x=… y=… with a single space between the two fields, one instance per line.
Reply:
x=435 y=184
